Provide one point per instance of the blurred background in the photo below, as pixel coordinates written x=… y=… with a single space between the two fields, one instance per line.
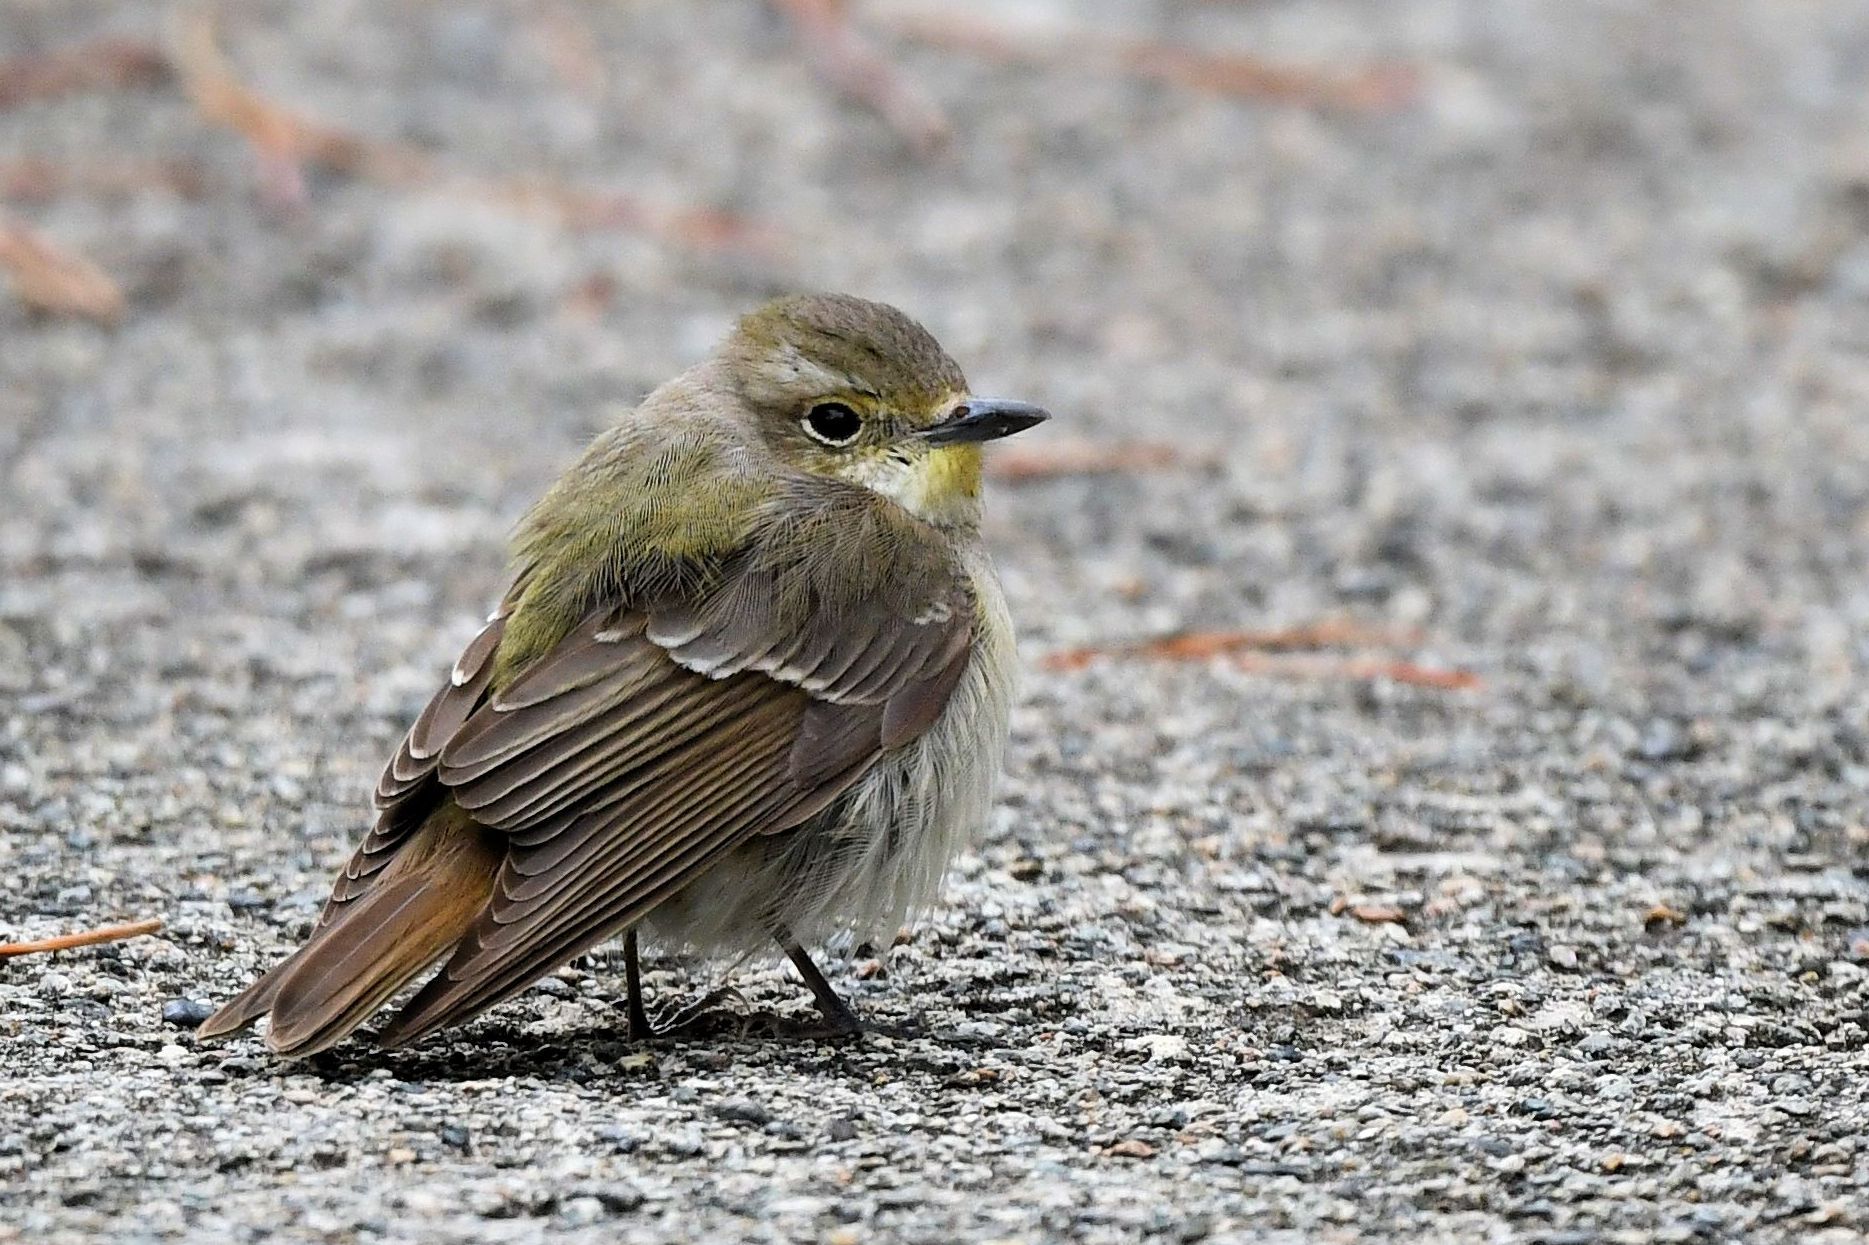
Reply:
x=1421 y=257
x=1443 y=585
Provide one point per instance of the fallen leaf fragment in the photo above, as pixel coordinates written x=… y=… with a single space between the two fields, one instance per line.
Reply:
x=1663 y=914
x=1364 y=910
x=1091 y=458
x=972 y=1076
x=54 y=279
x=100 y=65
x=1130 y=1148
x=86 y=938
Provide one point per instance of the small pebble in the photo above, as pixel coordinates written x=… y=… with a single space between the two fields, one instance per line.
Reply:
x=743 y=1110
x=186 y=1013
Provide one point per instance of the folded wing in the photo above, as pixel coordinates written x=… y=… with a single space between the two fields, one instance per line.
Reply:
x=655 y=738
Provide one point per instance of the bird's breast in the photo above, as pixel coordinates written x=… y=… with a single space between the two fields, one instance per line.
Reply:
x=878 y=855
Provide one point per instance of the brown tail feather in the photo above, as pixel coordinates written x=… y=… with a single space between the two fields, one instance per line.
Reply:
x=374 y=946
x=250 y=1004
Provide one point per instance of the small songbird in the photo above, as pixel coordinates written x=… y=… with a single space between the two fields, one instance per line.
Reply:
x=749 y=685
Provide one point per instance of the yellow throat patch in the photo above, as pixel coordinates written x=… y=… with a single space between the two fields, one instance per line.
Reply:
x=941 y=486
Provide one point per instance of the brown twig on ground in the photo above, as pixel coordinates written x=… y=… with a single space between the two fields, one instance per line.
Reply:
x=1205 y=645
x=1240 y=75
x=1089 y=458
x=102 y=64
x=848 y=62
x=54 y=279
x=1283 y=653
x=287 y=143
x=283 y=142
x=85 y=938
x=37 y=180
x=1379 y=88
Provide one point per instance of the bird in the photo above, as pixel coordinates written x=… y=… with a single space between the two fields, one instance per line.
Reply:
x=749 y=688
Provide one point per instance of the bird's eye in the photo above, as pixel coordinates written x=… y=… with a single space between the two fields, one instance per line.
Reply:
x=833 y=423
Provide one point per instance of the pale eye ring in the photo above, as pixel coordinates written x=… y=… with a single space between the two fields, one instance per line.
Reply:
x=832 y=423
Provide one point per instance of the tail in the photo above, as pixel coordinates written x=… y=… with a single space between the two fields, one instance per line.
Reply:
x=426 y=901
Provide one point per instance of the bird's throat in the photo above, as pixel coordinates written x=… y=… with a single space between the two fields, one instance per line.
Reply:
x=941 y=486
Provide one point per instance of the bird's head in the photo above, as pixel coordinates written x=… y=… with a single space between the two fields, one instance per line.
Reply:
x=857 y=391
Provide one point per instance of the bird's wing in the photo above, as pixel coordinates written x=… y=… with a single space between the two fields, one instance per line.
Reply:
x=656 y=737
x=409 y=789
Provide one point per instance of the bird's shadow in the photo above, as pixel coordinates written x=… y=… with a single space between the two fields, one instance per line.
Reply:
x=495 y=1049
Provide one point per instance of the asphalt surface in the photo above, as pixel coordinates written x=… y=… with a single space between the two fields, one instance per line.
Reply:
x=1554 y=374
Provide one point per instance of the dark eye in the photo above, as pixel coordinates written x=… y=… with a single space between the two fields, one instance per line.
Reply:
x=833 y=423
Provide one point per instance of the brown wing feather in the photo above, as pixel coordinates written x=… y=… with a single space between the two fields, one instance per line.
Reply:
x=467 y=686
x=660 y=717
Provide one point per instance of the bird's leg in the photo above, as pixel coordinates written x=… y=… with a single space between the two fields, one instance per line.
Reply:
x=639 y=1027
x=838 y=1015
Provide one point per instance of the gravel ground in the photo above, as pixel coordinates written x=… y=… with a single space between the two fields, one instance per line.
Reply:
x=1562 y=366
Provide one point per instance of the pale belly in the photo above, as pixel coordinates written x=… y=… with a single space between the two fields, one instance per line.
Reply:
x=877 y=856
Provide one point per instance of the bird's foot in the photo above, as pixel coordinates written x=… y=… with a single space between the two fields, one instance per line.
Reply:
x=774 y=1027
x=700 y=1018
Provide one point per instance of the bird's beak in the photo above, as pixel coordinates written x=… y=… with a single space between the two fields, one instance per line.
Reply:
x=984 y=419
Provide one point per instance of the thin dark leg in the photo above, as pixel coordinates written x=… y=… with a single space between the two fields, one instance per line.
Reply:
x=639 y=1029
x=837 y=1013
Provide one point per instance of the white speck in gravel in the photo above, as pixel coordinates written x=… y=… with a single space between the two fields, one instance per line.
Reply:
x=1614 y=1087
x=581 y=1211
x=1161 y=1047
